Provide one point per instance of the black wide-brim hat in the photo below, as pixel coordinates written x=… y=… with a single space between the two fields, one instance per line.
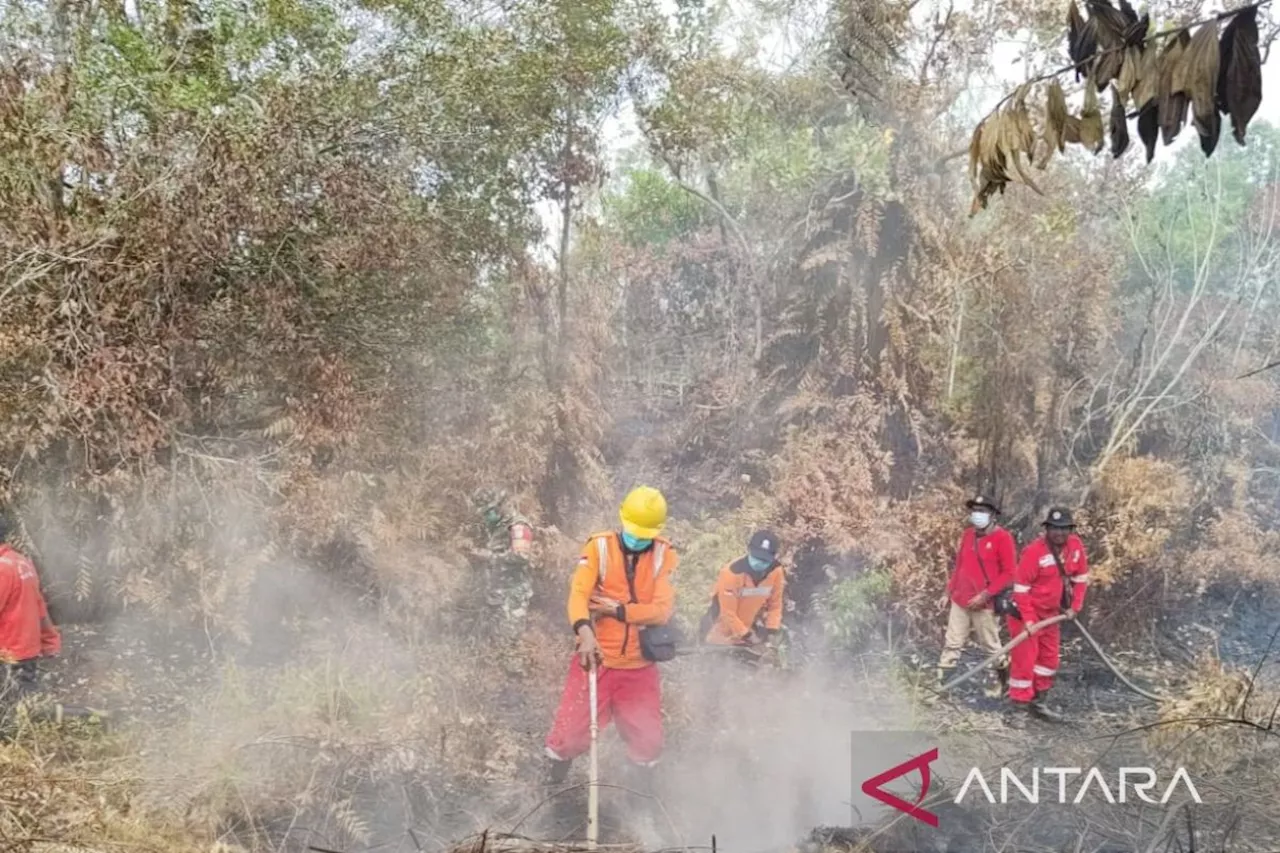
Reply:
x=1060 y=518
x=981 y=501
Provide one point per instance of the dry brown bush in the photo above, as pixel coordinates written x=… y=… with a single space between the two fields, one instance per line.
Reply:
x=72 y=791
x=1217 y=720
x=1140 y=507
x=1234 y=546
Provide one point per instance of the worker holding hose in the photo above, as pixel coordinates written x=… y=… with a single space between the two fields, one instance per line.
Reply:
x=620 y=600
x=1051 y=578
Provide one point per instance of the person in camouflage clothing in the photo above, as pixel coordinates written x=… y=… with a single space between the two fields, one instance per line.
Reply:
x=506 y=538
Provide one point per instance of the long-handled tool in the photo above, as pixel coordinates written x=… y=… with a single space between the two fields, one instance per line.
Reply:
x=593 y=788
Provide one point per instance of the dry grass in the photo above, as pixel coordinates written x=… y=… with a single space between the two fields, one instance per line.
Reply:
x=73 y=789
x=1218 y=720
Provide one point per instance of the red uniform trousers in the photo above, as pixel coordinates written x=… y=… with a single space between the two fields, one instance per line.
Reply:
x=630 y=697
x=1034 y=662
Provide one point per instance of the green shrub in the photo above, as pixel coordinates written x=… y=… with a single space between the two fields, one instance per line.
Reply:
x=849 y=612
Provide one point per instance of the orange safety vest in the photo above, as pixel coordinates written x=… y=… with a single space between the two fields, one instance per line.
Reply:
x=647 y=597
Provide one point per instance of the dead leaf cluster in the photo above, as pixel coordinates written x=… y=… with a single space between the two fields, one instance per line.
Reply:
x=1200 y=75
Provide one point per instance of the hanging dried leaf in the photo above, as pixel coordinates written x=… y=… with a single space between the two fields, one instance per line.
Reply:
x=1111 y=27
x=1127 y=81
x=1055 y=123
x=1239 y=89
x=1082 y=41
x=1195 y=74
x=1137 y=30
x=1148 y=78
x=997 y=148
x=1022 y=137
x=1091 y=131
x=1149 y=127
x=1071 y=131
x=1119 y=129
x=1172 y=100
x=986 y=181
x=1200 y=83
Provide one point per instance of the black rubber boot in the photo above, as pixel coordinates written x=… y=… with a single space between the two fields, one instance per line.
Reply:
x=1044 y=711
x=1015 y=716
x=558 y=771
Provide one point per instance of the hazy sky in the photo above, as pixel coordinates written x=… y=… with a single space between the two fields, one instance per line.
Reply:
x=782 y=43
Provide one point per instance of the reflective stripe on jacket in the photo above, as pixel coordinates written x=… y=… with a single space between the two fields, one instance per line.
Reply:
x=602 y=570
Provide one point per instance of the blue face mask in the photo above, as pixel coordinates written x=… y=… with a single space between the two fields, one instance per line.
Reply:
x=635 y=544
x=758 y=566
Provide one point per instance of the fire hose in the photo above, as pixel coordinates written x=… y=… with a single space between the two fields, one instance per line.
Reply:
x=1036 y=626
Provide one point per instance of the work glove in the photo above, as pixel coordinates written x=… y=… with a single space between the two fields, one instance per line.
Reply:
x=979 y=601
x=588 y=648
x=1071 y=613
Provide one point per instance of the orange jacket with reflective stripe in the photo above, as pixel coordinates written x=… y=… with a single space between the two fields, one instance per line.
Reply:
x=603 y=570
x=740 y=601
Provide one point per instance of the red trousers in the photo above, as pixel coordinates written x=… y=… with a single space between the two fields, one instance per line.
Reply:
x=630 y=697
x=1034 y=662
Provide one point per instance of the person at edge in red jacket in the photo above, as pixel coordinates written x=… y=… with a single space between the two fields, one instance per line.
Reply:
x=26 y=631
x=1052 y=577
x=984 y=567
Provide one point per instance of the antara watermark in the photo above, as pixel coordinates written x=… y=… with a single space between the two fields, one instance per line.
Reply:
x=1093 y=780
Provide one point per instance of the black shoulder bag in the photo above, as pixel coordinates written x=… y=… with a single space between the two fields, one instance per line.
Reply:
x=657 y=642
x=1068 y=597
x=1002 y=601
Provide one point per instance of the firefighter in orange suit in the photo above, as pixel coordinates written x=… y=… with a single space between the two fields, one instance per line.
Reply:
x=746 y=602
x=1051 y=578
x=621 y=588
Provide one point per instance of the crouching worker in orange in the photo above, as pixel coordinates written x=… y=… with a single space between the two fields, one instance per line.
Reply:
x=621 y=591
x=1051 y=578
x=746 y=602
x=26 y=631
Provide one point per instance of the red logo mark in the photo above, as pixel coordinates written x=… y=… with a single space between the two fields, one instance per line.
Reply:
x=872 y=787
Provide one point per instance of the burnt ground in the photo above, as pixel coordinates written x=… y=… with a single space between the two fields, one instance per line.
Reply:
x=751 y=743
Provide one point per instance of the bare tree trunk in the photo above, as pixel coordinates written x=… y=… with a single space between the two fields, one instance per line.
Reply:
x=560 y=459
x=566 y=224
x=955 y=345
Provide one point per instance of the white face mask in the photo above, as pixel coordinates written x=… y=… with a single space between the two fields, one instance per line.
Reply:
x=979 y=519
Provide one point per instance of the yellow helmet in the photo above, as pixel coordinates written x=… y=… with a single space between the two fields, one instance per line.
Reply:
x=643 y=512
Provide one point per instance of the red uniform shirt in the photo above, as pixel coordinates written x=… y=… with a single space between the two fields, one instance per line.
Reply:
x=1037 y=587
x=25 y=629
x=999 y=559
